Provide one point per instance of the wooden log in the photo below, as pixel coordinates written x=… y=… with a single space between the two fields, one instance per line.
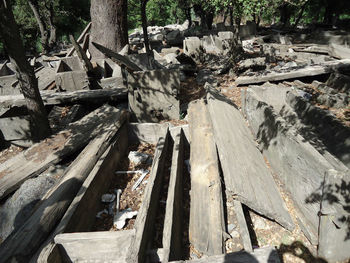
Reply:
x=87 y=201
x=40 y=156
x=80 y=38
x=145 y=219
x=82 y=55
x=173 y=221
x=245 y=172
x=207 y=226
x=260 y=255
x=117 y=58
x=22 y=244
x=323 y=68
x=53 y=98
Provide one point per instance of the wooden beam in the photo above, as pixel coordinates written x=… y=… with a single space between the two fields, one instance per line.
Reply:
x=145 y=219
x=117 y=58
x=80 y=38
x=82 y=55
x=245 y=172
x=207 y=226
x=339 y=51
x=315 y=70
x=87 y=201
x=173 y=221
x=40 y=156
x=243 y=228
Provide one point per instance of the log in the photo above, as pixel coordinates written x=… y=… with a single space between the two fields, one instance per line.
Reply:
x=117 y=58
x=22 y=244
x=173 y=221
x=40 y=156
x=245 y=172
x=260 y=255
x=95 y=246
x=87 y=202
x=323 y=68
x=53 y=98
x=80 y=38
x=207 y=226
x=145 y=220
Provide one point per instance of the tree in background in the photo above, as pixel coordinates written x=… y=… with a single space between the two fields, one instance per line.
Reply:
x=10 y=36
x=109 y=25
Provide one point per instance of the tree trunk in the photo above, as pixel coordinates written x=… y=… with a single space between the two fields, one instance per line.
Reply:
x=300 y=15
x=25 y=73
x=109 y=25
x=50 y=19
x=43 y=31
x=144 y=25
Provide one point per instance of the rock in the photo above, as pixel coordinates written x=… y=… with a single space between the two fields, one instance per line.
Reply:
x=260 y=224
x=234 y=234
x=121 y=217
x=139 y=158
x=18 y=207
x=108 y=198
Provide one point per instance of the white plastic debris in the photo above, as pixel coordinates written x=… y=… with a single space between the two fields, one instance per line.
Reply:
x=108 y=198
x=121 y=217
x=139 y=158
x=138 y=182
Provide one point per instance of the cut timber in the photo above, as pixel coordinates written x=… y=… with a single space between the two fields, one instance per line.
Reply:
x=96 y=246
x=117 y=58
x=80 y=38
x=173 y=222
x=245 y=172
x=87 y=201
x=22 y=244
x=146 y=132
x=81 y=54
x=153 y=95
x=52 y=98
x=243 y=228
x=260 y=255
x=145 y=219
x=324 y=68
x=207 y=226
x=334 y=241
x=339 y=51
x=40 y=156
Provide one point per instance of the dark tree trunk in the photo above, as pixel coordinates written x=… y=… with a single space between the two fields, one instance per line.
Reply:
x=43 y=30
x=231 y=16
x=25 y=73
x=300 y=14
x=329 y=12
x=50 y=19
x=285 y=14
x=144 y=25
x=109 y=25
x=188 y=15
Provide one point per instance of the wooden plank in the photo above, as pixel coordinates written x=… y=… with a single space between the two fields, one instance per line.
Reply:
x=245 y=172
x=207 y=226
x=173 y=221
x=81 y=54
x=117 y=58
x=323 y=68
x=243 y=228
x=22 y=244
x=339 y=51
x=80 y=38
x=40 y=156
x=145 y=219
x=53 y=98
x=87 y=201
x=260 y=255
x=105 y=246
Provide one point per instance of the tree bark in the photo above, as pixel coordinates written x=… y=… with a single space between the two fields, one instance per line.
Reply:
x=144 y=25
x=10 y=35
x=51 y=24
x=300 y=14
x=43 y=30
x=109 y=25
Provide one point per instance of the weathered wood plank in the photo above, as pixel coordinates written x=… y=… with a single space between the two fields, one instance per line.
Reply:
x=80 y=38
x=260 y=255
x=206 y=229
x=245 y=172
x=324 y=68
x=81 y=54
x=40 y=156
x=117 y=58
x=22 y=244
x=339 y=51
x=87 y=201
x=173 y=221
x=96 y=246
x=52 y=98
x=145 y=219
x=243 y=228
